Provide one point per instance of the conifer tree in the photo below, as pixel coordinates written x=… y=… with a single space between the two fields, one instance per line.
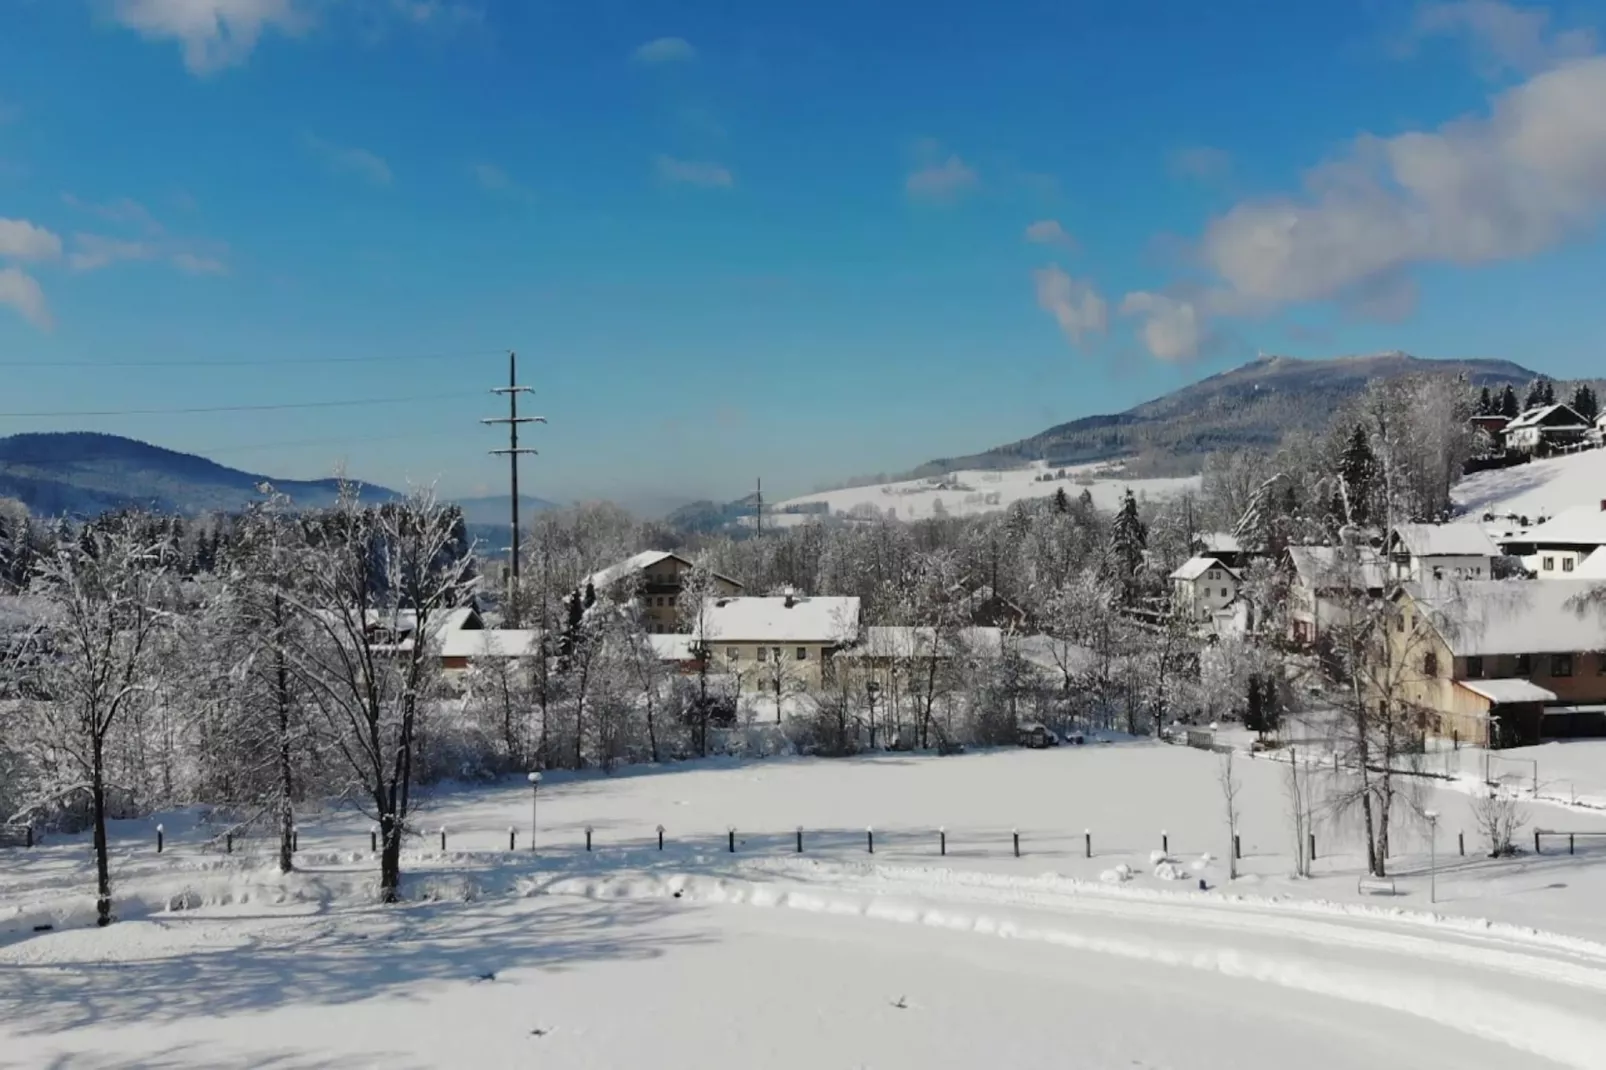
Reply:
x=1508 y=403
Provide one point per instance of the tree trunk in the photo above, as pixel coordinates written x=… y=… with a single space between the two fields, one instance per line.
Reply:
x=103 y=876
x=390 y=859
x=286 y=783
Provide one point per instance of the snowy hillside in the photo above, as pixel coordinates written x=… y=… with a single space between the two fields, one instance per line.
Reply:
x=969 y=493
x=1538 y=489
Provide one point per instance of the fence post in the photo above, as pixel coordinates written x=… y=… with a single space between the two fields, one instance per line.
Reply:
x=1087 y=842
x=295 y=839
x=1312 y=846
x=588 y=837
x=1569 y=843
x=1536 y=842
x=869 y=840
x=373 y=838
x=1015 y=833
x=443 y=837
x=512 y=838
x=800 y=839
x=1237 y=847
x=730 y=831
x=1165 y=842
x=160 y=832
x=228 y=843
x=1461 y=843
x=660 y=837
x=942 y=840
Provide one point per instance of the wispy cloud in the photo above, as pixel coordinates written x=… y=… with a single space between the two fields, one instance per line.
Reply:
x=22 y=240
x=940 y=178
x=492 y=179
x=122 y=211
x=1075 y=305
x=214 y=34
x=665 y=50
x=1173 y=329
x=693 y=173
x=440 y=13
x=1203 y=162
x=1049 y=232
x=21 y=292
x=1503 y=37
x=352 y=161
x=199 y=264
x=90 y=252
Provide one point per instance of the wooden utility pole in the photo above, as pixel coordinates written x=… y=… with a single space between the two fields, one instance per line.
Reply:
x=513 y=452
x=758 y=508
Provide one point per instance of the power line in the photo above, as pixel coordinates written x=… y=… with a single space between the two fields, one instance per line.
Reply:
x=188 y=411
x=265 y=362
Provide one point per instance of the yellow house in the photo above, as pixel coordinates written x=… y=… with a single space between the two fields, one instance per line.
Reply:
x=779 y=645
x=1503 y=662
x=654 y=578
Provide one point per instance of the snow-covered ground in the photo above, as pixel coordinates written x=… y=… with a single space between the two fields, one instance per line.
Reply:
x=970 y=493
x=1536 y=489
x=697 y=956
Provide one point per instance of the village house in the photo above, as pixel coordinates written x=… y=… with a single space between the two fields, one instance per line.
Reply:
x=1556 y=548
x=1421 y=552
x=781 y=643
x=461 y=648
x=1202 y=586
x=654 y=579
x=1503 y=663
x=1545 y=429
x=1330 y=587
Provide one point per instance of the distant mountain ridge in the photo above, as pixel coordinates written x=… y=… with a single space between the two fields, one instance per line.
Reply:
x=1254 y=405
x=81 y=473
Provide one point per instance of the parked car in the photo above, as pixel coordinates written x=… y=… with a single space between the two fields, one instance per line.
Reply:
x=1037 y=736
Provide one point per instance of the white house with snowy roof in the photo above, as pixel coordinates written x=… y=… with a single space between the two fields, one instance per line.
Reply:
x=1556 y=548
x=782 y=643
x=1202 y=586
x=1423 y=552
x=654 y=579
x=1545 y=428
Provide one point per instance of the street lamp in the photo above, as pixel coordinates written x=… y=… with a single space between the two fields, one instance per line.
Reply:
x=535 y=789
x=1433 y=854
x=871 y=689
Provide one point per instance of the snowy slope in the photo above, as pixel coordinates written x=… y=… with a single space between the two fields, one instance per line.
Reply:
x=969 y=493
x=1539 y=488
x=698 y=956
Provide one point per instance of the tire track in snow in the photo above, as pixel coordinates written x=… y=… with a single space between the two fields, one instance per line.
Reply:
x=1448 y=999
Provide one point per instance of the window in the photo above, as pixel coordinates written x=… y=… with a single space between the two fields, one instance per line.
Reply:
x=1549 y=564
x=1213 y=575
x=1430 y=663
x=763 y=653
x=1566 y=564
x=777 y=653
x=1474 y=668
x=802 y=653
x=1438 y=573
x=1561 y=664
x=671 y=599
x=1525 y=664
x=734 y=653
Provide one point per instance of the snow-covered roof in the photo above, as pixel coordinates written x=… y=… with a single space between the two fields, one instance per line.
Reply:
x=1197 y=566
x=1510 y=690
x=671 y=646
x=1444 y=540
x=909 y=642
x=794 y=619
x=1219 y=542
x=1582 y=525
x=1592 y=567
x=491 y=643
x=1488 y=617
x=1536 y=417
x=1324 y=568
x=602 y=579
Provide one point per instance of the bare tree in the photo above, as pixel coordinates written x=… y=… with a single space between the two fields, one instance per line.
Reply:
x=379 y=582
x=1230 y=786
x=108 y=594
x=697 y=591
x=1299 y=792
x=1499 y=818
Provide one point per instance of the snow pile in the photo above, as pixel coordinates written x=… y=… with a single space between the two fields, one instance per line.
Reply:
x=1119 y=875
x=1170 y=871
x=1203 y=862
x=1157 y=857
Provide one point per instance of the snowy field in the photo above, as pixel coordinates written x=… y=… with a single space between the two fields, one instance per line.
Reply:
x=1535 y=489
x=697 y=956
x=970 y=493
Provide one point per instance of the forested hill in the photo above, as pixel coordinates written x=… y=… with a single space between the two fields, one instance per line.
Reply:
x=1253 y=405
x=82 y=474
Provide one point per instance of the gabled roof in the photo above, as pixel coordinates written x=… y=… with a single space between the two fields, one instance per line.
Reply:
x=671 y=646
x=1582 y=525
x=1557 y=415
x=491 y=643
x=1592 y=567
x=602 y=579
x=1197 y=566
x=1333 y=568
x=1489 y=617
x=1443 y=540
x=778 y=619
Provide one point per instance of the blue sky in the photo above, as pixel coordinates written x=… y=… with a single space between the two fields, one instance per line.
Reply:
x=792 y=240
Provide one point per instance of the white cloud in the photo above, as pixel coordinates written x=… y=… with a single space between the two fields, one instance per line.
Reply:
x=1173 y=329
x=436 y=12
x=1504 y=37
x=349 y=160
x=21 y=292
x=198 y=263
x=22 y=240
x=124 y=211
x=214 y=34
x=492 y=179
x=665 y=50
x=693 y=173
x=942 y=181
x=1073 y=303
x=1203 y=162
x=91 y=252
x=1048 y=232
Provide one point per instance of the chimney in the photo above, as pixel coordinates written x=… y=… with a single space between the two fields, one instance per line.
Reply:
x=791 y=595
